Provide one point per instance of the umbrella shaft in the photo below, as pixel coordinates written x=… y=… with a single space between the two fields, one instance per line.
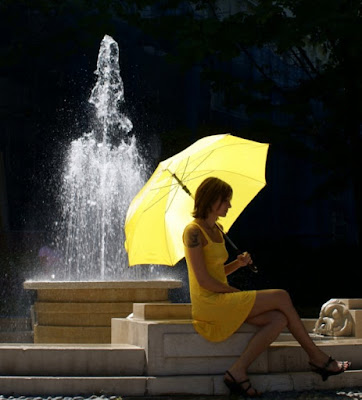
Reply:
x=252 y=266
x=184 y=187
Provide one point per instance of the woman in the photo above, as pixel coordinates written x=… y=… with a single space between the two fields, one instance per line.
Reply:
x=219 y=309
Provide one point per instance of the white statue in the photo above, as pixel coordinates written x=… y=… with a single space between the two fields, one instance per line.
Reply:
x=334 y=319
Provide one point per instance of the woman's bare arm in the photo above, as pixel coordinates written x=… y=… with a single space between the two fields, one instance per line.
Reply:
x=193 y=248
x=242 y=260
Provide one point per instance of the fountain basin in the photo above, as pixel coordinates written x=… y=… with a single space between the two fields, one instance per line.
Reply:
x=81 y=311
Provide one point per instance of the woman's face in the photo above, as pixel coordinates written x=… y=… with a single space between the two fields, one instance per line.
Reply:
x=221 y=207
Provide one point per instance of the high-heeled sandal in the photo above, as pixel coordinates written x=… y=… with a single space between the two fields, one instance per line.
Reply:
x=325 y=373
x=236 y=387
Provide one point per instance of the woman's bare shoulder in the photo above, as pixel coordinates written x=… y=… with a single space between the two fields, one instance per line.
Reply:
x=192 y=236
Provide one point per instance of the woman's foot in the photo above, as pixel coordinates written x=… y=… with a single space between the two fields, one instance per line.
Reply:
x=329 y=367
x=240 y=387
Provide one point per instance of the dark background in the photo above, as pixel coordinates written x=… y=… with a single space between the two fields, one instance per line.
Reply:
x=302 y=229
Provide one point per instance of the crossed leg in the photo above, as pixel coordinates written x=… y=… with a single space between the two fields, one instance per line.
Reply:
x=273 y=310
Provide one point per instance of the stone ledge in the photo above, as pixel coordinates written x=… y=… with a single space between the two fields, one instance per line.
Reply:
x=129 y=284
x=355 y=304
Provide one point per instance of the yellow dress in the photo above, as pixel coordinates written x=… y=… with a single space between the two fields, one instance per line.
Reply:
x=216 y=316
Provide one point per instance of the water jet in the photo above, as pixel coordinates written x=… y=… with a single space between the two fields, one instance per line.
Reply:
x=89 y=281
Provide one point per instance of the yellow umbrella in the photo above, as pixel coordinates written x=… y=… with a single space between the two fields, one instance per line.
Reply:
x=158 y=214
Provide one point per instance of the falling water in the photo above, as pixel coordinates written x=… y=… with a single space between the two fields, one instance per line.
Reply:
x=103 y=172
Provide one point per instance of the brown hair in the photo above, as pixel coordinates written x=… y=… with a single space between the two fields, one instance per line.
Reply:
x=210 y=191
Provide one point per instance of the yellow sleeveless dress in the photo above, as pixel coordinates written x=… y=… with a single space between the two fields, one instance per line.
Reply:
x=216 y=316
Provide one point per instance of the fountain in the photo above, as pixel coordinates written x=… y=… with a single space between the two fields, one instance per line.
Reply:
x=89 y=282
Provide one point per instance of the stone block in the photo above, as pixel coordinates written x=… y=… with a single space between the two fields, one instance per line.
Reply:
x=77 y=320
x=160 y=311
x=71 y=334
x=74 y=308
x=352 y=304
x=80 y=314
x=357 y=319
x=102 y=295
x=175 y=348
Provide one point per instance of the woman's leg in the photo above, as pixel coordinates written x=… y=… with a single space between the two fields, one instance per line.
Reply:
x=271 y=323
x=277 y=301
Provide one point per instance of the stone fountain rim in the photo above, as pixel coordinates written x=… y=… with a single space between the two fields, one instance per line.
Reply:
x=127 y=284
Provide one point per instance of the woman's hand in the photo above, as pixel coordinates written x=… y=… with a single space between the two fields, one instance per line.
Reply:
x=244 y=259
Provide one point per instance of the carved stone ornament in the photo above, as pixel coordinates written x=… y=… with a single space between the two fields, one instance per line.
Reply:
x=334 y=319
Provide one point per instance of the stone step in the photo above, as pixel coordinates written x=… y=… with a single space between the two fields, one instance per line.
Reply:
x=289 y=356
x=72 y=386
x=68 y=360
x=211 y=385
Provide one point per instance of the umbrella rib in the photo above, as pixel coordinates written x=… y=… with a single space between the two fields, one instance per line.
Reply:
x=174 y=195
x=209 y=154
x=158 y=200
x=203 y=160
x=221 y=170
x=173 y=187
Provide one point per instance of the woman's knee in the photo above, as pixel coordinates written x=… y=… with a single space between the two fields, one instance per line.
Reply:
x=279 y=318
x=273 y=317
x=283 y=297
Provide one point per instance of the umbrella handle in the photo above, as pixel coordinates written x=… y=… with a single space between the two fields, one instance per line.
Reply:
x=252 y=266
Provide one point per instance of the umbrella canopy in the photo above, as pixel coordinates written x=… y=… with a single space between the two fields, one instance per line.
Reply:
x=159 y=213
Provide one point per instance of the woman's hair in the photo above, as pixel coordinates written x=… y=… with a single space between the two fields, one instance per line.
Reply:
x=208 y=193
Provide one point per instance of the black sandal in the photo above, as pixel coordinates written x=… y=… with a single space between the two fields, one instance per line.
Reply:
x=325 y=373
x=237 y=388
